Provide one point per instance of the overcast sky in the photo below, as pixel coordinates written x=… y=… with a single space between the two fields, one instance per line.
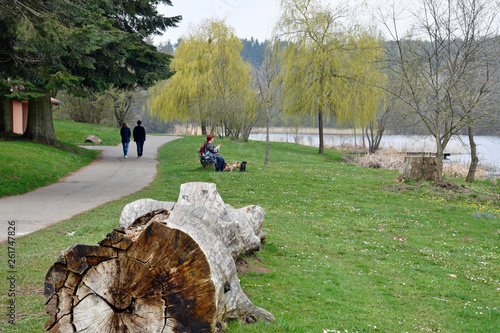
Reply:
x=249 y=18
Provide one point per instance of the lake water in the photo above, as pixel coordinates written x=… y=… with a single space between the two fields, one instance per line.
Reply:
x=488 y=147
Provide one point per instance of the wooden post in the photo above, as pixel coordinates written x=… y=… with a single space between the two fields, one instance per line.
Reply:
x=210 y=166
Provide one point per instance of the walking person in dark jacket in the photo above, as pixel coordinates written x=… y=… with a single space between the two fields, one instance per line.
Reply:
x=125 y=134
x=139 y=137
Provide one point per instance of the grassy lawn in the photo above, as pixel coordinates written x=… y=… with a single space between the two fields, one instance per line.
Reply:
x=26 y=166
x=76 y=133
x=348 y=248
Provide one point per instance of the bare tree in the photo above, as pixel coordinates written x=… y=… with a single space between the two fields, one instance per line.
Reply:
x=447 y=66
x=255 y=112
x=266 y=77
x=122 y=101
x=479 y=101
x=391 y=112
x=91 y=110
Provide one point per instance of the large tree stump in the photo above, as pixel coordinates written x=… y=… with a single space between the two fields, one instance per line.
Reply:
x=419 y=167
x=169 y=271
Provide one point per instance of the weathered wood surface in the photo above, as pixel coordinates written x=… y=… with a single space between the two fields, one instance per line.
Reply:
x=419 y=167
x=239 y=229
x=169 y=271
x=140 y=207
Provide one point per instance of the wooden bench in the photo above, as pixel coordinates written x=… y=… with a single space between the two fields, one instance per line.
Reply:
x=411 y=153
x=206 y=164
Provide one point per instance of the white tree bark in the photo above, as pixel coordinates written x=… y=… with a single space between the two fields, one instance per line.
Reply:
x=239 y=229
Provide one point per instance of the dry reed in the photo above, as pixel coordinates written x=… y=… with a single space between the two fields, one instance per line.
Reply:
x=391 y=159
x=386 y=158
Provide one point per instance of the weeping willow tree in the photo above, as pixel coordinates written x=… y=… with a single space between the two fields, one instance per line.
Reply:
x=324 y=64
x=365 y=96
x=209 y=82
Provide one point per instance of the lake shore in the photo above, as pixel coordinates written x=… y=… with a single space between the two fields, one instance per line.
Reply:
x=196 y=130
x=458 y=149
x=344 y=139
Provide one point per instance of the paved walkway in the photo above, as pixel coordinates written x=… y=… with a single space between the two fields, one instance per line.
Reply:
x=108 y=178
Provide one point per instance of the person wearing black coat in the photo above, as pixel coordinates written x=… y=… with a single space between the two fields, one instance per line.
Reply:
x=139 y=137
x=125 y=134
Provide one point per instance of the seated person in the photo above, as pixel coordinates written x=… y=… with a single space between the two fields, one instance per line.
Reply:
x=210 y=152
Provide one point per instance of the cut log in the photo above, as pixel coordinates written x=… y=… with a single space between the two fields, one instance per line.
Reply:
x=239 y=229
x=419 y=167
x=140 y=207
x=169 y=271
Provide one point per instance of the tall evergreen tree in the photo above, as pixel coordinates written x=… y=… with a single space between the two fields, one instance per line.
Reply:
x=82 y=47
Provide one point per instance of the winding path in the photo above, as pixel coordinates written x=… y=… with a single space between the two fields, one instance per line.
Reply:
x=108 y=178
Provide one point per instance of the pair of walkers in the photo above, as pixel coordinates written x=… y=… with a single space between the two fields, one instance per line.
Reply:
x=139 y=134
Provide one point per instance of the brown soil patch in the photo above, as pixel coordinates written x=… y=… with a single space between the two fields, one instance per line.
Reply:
x=399 y=188
x=447 y=190
x=28 y=290
x=468 y=239
x=446 y=185
x=249 y=264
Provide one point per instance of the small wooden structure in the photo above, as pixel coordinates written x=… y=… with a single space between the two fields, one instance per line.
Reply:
x=411 y=153
x=19 y=114
x=169 y=271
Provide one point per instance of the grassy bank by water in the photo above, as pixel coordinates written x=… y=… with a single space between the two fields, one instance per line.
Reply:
x=348 y=248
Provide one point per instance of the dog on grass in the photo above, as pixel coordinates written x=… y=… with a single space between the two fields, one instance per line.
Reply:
x=231 y=166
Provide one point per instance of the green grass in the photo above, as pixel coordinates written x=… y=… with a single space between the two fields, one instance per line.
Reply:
x=76 y=133
x=348 y=248
x=25 y=166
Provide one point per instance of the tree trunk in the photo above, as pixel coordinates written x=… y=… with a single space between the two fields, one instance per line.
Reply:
x=419 y=168
x=268 y=120
x=355 y=140
x=474 y=160
x=439 y=155
x=377 y=140
x=363 y=138
x=40 y=123
x=374 y=135
x=320 y=128
x=121 y=106
x=169 y=271
x=5 y=118
x=203 y=128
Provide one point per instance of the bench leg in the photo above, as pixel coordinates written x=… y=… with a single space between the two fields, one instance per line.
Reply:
x=208 y=166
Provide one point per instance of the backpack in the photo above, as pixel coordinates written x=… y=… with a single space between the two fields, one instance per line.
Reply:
x=202 y=149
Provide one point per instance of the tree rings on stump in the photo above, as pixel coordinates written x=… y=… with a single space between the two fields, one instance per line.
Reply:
x=161 y=283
